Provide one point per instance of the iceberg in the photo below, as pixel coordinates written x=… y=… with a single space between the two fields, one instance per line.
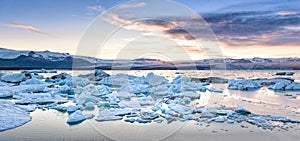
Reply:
x=12 y=116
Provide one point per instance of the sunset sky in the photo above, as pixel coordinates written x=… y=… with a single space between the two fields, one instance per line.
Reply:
x=169 y=30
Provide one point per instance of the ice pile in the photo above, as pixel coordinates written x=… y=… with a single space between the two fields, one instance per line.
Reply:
x=272 y=83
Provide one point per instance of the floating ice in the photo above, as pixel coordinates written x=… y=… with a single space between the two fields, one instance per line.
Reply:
x=12 y=116
x=72 y=108
x=38 y=98
x=31 y=81
x=13 y=78
x=96 y=76
x=78 y=117
x=154 y=80
x=243 y=84
x=106 y=115
x=5 y=93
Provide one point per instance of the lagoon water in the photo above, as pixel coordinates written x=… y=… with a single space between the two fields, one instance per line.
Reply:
x=51 y=124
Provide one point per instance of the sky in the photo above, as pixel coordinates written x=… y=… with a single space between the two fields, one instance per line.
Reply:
x=161 y=29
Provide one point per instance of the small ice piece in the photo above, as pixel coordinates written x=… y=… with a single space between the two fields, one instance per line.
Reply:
x=181 y=109
x=3 y=84
x=5 y=93
x=215 y=90
x=284 y=73
x=89 y=106
x=243 y=84
x=129 y=104
x=186 y=100
x=28 y=108
x=146 y=101
x=13 y=78
x=115 y=80
x=72 y=108
x=159 y=120
x=31 y=81
x=293 y=86
x=103 y=90
x=154 y=80
x=140 y=120
x=121 y=112
x=39 y=98
x=202 y=89
x=281 y=85
x=123 y=95
x=190 y=94
x=241 y=110
x=160 y=90
x=220 y=119
x=76 y=117
x=224 y=112
x=12 y=116
x=77 y=81
x=230 y=121
x=106 y=115
x=148 y=115
x=96 y=76
x=131 y=120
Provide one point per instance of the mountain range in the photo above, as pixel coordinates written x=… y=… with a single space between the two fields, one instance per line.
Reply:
x=15 y=59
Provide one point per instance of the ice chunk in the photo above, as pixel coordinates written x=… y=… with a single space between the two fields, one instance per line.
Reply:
x=293 y=86
x=115 y=80
x=39 y=98
x=154 y=80
x=96 y=76
x=131 y=120
x=129 y=104
x=243 y=84
x=28 y=108
x=106 y=115
x=77 y=81
x=190 y=94
x=72 y=108
x=146 y=101
x=160 y=90
x=281 y=85
x=284 y=73
x=77 y=117
x=121 y=112
x=148 y=115
x=215 y=90
x=242 y=110
x=122 y=95
x=219 y=119
x=181 y=109
x=89 y=106
x=31 y=81
x=103 y=90
x=13 y=78
x=5 y=93
x=12 y=116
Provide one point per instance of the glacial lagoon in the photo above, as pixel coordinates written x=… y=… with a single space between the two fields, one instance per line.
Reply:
x=153 y=105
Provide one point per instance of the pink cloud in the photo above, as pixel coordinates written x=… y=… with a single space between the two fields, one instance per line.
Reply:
x=24 y=27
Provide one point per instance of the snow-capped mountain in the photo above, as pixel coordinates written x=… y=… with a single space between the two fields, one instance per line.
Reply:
x=15 y=59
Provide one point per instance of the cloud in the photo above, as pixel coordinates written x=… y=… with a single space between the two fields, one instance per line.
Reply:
x=24 y=27
x=96 y=8
x=132 y=5
x=286 y=13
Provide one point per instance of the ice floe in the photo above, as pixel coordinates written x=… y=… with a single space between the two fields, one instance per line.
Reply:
x=12 y=116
